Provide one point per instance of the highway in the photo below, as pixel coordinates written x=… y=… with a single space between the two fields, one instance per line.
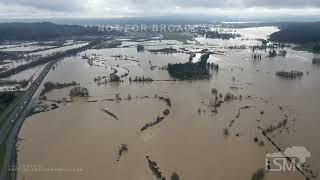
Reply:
x=10 y=129
x=27 y=96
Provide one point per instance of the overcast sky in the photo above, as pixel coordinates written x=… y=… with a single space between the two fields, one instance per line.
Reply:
x=131 y=8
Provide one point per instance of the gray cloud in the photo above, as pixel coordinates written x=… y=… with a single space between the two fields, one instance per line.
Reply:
x=248 y=3
x=115 y=8
x=52 y=5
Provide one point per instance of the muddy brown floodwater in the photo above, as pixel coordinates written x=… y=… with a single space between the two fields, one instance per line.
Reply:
x=83 y=141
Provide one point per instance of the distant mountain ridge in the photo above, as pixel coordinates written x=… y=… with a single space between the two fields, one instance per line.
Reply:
x=302 y=32
x=43 y=31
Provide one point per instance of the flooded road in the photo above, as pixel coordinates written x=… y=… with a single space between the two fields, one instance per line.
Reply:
x=79 y=141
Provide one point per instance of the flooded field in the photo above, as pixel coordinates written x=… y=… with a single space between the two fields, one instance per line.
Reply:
x=84 y=138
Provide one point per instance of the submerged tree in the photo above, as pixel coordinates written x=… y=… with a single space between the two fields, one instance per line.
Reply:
x=140 y=48
x=258 y=175
x=175 y=176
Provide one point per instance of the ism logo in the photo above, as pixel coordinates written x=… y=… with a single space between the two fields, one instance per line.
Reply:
x=289 y=160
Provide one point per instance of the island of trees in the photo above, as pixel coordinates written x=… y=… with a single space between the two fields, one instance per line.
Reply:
x=190 y=70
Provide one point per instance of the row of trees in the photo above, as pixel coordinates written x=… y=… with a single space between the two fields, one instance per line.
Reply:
x=163 y=50
x=140 y=79
x=21 y=83
x=79 y=92
x=290 y=74
x=219 y=35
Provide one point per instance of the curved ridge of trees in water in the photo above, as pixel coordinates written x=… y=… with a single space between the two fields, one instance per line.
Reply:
x=123 y=149
x=110 y=113
x=157 y=173
x=159 y=118
x=155 y=169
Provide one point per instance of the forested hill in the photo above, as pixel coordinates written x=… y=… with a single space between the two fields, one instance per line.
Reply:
x=44 y=31
x=305 y=32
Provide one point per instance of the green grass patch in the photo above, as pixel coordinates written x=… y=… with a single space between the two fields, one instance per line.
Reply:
x=8 y=107
x=178 y=36
x=5 y=99
x=309 y=47
x=303 y=48
x=2 y=155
